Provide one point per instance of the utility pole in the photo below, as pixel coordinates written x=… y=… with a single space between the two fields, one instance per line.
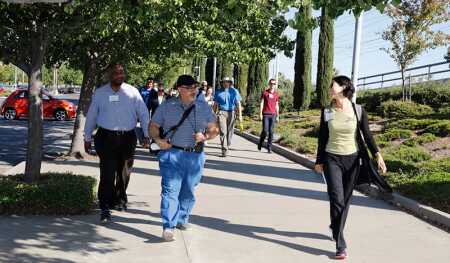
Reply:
x=276 y=69
x=356 y=52
x=214 y=73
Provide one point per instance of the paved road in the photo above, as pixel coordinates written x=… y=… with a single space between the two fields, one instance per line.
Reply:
x=13 y=137
x=251 y=207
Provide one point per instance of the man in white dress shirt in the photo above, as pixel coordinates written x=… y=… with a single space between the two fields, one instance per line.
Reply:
x=115 y=109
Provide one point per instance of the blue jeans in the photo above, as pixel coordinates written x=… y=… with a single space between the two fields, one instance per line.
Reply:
x=268 y=127
x=181 y=172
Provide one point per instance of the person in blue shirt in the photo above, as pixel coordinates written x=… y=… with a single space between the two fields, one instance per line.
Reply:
x=181 y=159
x=227 y=102
x=145 y=92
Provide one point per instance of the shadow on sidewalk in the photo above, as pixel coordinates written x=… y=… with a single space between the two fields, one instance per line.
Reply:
x=22 y=238
x=264 y=170
x=253 y=231
x=250 y=231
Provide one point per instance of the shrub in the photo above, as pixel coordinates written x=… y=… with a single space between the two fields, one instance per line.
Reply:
x=411 y=154
x=405 y=159
x=404 y=109
x=441 y=128
x=431 y=189
x=299 y=143
x=54 y=193
x=394 y=134
x=422 y=139
x=306 y=124
x=411 y=124
x=432 y=94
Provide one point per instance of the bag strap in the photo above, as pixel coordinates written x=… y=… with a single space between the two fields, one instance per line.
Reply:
x=357 y=108
x=183 y=118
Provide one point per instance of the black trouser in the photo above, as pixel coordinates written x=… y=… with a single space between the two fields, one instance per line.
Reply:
x=340 y=172
x=268 y=123
x=116 y=153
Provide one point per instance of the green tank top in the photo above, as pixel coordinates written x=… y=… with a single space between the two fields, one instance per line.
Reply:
x=342 y=133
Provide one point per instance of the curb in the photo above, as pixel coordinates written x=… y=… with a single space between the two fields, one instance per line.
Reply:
x=16 y=169
x=424 y=212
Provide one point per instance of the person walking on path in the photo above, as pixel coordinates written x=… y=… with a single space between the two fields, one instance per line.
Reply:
x=145 y=93
x=227 y=101
x=339 y=154
x=115 y=108
x=269 y=113
x=209 y=97
x=186 y=123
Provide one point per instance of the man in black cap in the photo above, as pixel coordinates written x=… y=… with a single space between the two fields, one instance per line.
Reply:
x=186 y=123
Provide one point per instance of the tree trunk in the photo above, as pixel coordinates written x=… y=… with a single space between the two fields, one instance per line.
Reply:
x=325 y=58
x=35 y=133
x=87 y=89
x=303 y=63
x=209 y=70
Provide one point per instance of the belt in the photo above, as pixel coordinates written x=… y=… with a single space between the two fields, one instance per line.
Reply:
x=115 y=133
x=226 y=110
x=186 y=149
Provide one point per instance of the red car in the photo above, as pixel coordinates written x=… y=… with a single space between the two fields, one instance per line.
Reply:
x=16 y=106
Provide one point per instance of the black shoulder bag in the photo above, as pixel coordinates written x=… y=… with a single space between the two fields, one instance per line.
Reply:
x=368 y=172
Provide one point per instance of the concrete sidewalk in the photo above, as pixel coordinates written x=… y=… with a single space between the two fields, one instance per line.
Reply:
x=251 y=207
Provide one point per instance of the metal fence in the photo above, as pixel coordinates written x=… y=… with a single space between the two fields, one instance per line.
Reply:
x=389 y=79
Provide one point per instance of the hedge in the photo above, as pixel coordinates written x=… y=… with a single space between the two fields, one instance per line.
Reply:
x=420 y=140
x=412 y=124
x=53 y=194
x=404 y=109
x=441 y=128
x=394 y=134
x=435 y=94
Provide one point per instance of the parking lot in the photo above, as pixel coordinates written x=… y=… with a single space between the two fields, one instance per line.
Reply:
x=13 y=137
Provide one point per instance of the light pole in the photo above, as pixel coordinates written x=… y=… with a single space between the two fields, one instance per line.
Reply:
x=356 y=52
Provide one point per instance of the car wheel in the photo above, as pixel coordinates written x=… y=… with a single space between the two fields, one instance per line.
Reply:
x=60 y=115
x=10 y=114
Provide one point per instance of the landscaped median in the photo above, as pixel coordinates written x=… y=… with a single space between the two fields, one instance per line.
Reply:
x=416 y=146
x=53 y=194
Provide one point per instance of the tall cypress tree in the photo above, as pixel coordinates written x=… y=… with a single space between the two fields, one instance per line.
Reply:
x=303 y=60
x=326 y=53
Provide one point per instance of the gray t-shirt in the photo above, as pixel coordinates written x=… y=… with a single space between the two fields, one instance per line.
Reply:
x=169 y=113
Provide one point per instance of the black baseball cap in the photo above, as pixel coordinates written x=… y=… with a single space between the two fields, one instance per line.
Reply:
x=186 y=80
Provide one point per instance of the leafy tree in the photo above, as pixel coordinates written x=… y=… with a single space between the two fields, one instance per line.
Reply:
x=411 y=31
x=6 y=73
x=26 y=32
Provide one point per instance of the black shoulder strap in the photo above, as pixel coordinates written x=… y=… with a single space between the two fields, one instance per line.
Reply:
x=183 y=118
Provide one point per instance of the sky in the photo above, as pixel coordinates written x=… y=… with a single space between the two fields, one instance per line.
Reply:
x=372 y=59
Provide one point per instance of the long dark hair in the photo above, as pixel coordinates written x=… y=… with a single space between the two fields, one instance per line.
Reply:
x=346 y=82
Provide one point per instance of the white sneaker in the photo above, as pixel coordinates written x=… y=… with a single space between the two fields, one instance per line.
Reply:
x=168 y=235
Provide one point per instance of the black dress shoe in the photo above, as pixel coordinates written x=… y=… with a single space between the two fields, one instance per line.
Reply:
x=105 y=216
x=259 y=147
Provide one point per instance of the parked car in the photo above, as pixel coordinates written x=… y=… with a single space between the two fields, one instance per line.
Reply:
x=16 y=106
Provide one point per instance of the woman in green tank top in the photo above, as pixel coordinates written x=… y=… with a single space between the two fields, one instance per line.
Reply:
x=338 y=154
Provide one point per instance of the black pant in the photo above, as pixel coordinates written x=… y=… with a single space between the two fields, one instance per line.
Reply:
x=116 y=153
x=268 y=123
x=340 y=172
